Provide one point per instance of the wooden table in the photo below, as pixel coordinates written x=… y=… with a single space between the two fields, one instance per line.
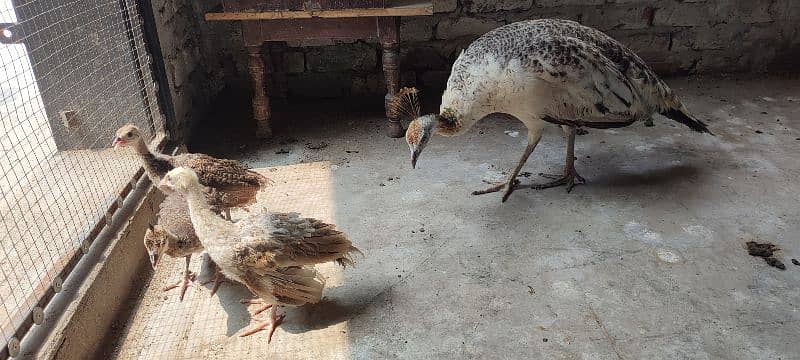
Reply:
x=306 y=20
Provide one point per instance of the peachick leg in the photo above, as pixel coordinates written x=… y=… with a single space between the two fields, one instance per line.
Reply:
x=187 y=280
x=570 y=177
x=264 y=305
x=218 y=279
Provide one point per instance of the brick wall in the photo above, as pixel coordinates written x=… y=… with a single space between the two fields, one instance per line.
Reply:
x=674 y=36
x=198 y=64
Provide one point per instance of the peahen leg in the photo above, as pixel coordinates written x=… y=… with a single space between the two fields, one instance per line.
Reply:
x=512 y=183
x=570 y=177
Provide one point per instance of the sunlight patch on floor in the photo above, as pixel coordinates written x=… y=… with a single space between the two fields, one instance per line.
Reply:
x=208 y=327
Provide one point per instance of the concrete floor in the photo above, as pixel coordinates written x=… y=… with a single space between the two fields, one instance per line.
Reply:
x=646 y=261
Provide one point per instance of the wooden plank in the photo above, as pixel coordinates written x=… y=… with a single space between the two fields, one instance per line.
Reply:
x=414 y=9
x=254 y=33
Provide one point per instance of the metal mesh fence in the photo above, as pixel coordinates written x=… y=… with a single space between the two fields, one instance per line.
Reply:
x=71 y=73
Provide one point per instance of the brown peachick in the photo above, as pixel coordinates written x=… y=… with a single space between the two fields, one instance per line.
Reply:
x=228 y=183
x=174 y=236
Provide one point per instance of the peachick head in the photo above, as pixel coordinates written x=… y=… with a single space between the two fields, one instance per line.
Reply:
x=155 y=241
x=418 y=134
x=126 y=135
x=180 y=179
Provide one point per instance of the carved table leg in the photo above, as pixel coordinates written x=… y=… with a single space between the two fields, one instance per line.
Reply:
x=261 y=111
x=388 y=28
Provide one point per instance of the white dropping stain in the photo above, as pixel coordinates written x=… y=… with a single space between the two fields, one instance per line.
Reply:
x=668 y=256
x=485 y=166
x=563 y=259
x=564 y=289
x=734 y=120
x=334 y=167
x=668 y=139
x=739 y=297
x=511 y=133
x=768 y=99
x=644 y=148
x=699 y=231
x=494 y=177
x=750 y=104
x=414 y=196
x=640 y=232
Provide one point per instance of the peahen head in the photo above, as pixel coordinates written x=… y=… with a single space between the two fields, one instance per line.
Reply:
x=126 y=135
x=419 y=133
x=180 y=179
x=156 y=240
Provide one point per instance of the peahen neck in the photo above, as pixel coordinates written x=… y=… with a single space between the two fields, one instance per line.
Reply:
x=449 y=123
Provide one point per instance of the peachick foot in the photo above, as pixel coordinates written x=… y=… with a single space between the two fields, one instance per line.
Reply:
x=270 y=324
x=184 y=283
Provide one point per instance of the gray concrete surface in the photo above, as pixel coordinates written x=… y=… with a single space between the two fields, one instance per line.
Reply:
x=646 y=261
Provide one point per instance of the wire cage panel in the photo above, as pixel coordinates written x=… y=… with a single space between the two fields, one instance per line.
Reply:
x=71 y=73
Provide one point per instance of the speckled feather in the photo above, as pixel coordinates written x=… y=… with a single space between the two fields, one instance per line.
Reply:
x=571 y=73
x=229 y=183
x=273 y=255
x=175 y=227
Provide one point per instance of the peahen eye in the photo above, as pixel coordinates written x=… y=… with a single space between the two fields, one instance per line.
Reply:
x=129 y=134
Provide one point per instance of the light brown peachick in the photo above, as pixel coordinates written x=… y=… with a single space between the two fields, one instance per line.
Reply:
x=271 y=253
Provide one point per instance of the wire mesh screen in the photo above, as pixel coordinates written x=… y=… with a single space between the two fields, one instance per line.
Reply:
x=71 y=73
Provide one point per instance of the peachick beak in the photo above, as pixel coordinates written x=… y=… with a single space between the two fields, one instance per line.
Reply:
x=414 y=156
x=117 y=143
x=153 y=259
